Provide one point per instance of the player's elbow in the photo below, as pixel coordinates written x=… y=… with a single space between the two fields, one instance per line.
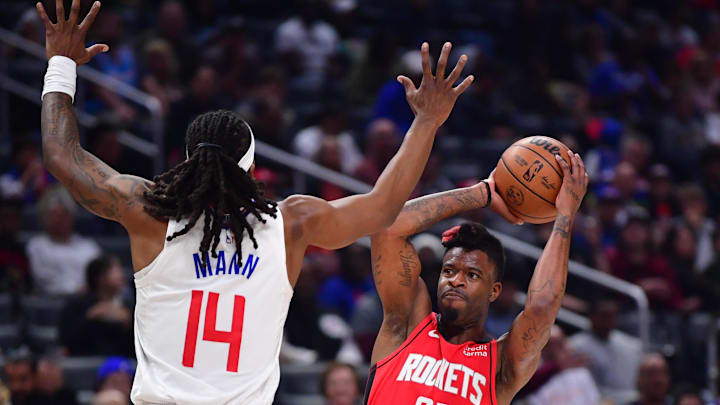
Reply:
x=54 y=164
x=385 y=211
x=544 y=305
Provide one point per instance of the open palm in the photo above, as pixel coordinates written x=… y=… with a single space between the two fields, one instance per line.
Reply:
x=66 y=37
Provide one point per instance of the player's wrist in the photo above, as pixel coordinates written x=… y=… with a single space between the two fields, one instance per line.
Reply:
x=61 y=76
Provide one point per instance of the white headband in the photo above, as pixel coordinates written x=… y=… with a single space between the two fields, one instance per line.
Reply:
x=246 y=160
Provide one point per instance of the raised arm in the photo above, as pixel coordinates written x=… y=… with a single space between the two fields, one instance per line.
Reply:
x=521 y=347
x=313 y=221
x=94 y=184
x=396 y=267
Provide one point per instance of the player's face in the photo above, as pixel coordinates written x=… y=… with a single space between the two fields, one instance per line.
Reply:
x=466 y=286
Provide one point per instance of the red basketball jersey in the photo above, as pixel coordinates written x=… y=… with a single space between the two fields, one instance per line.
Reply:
x=428 y=370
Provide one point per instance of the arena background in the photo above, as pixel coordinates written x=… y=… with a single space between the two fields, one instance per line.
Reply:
x=631 y=85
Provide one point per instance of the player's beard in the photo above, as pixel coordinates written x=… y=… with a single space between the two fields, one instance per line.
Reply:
x=448 y=315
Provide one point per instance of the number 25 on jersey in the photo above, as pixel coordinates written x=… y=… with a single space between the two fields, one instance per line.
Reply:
x=210 y=333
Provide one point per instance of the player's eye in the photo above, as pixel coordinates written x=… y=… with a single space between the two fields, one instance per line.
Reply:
x=474 y=275
x=446 y=271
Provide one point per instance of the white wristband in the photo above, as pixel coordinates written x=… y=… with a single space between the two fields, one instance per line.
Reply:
x=60 y=76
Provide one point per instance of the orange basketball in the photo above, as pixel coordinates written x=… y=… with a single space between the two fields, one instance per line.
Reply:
x=528 y=177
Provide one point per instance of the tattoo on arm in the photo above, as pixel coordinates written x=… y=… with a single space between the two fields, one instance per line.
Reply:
x=534 y=337
x=426 y=211
x=408 y=262
x=84 y=175
x=562 y=226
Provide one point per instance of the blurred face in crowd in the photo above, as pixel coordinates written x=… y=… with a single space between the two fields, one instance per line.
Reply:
x=204 y=83
x=689 y=399
x=341 y=386
x=20 y=380
x=653 y=378
x=172 y=19
x=49 y=377
x=329 y=153
x=635 y=236
x=114 y=278
x=684 y=244
x=383 y=141
x=625 y=179
x=604 y=318
x=59 y=222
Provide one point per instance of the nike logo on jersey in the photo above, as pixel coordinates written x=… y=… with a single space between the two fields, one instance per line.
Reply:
x=217 y=266
x=453 y=378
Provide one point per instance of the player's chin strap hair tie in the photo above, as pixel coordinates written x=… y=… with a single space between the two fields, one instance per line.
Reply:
x=450 y=233
x=245 y=161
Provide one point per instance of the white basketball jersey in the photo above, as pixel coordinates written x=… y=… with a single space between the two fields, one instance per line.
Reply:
x=211 y=334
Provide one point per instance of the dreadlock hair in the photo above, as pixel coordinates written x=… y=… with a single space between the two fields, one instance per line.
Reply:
x=211 y=183
x=473 y=236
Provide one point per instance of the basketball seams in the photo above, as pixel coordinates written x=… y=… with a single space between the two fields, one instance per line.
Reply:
x=541 y=157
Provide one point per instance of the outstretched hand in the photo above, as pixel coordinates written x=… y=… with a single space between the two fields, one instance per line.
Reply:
x=436 y=96
x=66 y=37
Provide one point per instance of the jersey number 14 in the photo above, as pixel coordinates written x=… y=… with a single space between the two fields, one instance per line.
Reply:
x=210 y=333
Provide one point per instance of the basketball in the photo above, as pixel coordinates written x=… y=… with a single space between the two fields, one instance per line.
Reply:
x=528 y=178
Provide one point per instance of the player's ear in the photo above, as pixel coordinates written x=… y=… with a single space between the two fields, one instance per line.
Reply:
x=495 y=291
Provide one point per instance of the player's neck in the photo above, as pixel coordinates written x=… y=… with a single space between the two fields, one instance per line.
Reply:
x=459 y=333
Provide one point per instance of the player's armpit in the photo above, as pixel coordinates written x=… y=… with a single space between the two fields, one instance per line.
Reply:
x=403 y=294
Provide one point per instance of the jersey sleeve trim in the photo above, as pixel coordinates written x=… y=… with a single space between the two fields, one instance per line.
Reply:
x=411 y=337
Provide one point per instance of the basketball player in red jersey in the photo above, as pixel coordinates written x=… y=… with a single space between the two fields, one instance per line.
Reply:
x=423 y=358
x=206 y=243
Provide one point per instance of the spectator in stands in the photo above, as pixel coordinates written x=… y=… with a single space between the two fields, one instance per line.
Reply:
x=687 y=396
x=433 y=180
x=305 y=41
x=340 y=384
x=266 y=109
x=339 y=293
x=14 y=274
x=694 y=215
x=503 y=311
x=120 y=63
x=662 y=202
x=110 y=397
x=58 y=256
x=332 y=124
x=161 y=78
x=99 y=322
x=104 y=142
x=682 y=136
x=172 y=27
x=26 y=178
x=201 y=97
x=116 y=373
x=653 y=380
x=390 y=102
x=633 y=190
x=330 y=156
x=19 y=374
x=382 y=141
x=635 y=261
x=50 y=385
x=613 y=356
x=562 y=377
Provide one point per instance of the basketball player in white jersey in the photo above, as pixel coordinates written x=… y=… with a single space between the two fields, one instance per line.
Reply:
x=215 y=262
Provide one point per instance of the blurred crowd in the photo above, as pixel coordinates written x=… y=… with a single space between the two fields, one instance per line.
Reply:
x=634 y=86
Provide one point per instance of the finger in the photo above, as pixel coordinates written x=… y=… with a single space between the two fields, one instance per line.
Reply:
x=43 y=16
x=442 y=62
x=563 y=165
x=407 y=83
x=90 y=18
x=573 y=163
x=96 y=49
x=460 y=89
x=74 y=11
x=455 y=74
x=60 y=12
x=501 y=208
x=425 y=52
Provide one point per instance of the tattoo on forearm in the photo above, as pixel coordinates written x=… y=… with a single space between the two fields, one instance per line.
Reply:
x=534 y=337
x=431 y=209
x=84 y=175
x=562 y=226
x=573 y=194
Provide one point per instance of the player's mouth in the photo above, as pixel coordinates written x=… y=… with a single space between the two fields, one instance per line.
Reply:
x=454 y=295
